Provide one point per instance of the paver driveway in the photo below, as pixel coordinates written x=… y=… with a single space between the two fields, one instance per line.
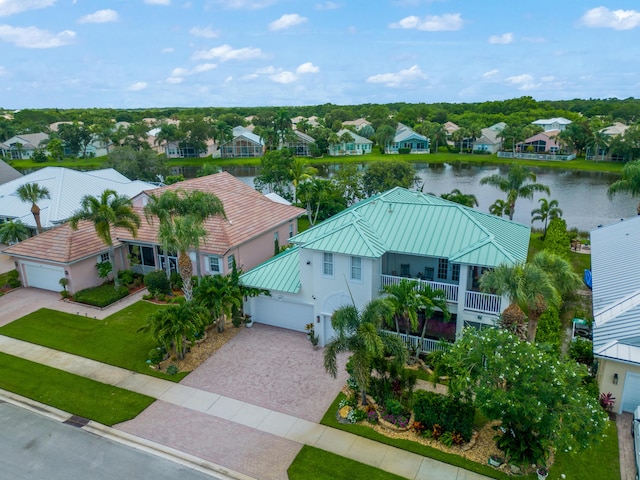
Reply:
x=266 y=366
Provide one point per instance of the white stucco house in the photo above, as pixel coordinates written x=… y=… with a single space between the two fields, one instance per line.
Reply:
x=556 y=123
x=615 y=261
x=379 y=241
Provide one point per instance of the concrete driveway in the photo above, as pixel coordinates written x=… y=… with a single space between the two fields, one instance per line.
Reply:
x=266 y=366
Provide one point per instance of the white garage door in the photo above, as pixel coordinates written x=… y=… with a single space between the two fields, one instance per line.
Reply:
x=280 y=313
x=43 y=276
x=631 y=392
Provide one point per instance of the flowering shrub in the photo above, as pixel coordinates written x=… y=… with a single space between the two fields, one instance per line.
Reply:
x=311 y=334
x=372 y=416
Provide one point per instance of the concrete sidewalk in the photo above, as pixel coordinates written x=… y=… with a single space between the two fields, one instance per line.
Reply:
x=390 y=459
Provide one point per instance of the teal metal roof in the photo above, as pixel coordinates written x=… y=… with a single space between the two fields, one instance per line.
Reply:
x=404 y=221
x=280 y=273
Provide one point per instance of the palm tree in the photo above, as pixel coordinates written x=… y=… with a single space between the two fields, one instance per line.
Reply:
x=527 y=285
x=282 y=124
x=548 y=210
x=219 y=294
x=300 y=172
x=560 y=272
x=359 y=333
x=13 y=231
x=181 y=215
x=433 y=299
x=34 y=193
x=108 y=211
x=519 y=183
x=499 y=208
x=457 y=196
x=629 y=183
x=405 y=301
x=599 y=141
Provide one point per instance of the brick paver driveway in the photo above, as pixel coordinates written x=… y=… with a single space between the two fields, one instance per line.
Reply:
x=266 y=366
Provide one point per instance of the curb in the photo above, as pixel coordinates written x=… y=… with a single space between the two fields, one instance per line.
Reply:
x=208 y=468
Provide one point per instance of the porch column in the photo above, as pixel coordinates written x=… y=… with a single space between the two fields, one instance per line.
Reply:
x=462 y=293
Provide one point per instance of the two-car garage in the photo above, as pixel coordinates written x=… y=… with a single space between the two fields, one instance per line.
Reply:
x=277 y=311
x=39 y=275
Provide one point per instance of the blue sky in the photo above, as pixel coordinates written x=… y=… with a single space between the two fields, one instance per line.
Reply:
x=157 y=53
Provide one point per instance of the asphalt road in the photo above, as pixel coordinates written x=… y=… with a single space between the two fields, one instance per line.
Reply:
x=35 y=447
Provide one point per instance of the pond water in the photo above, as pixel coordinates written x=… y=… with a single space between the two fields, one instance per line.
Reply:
x=582 y=196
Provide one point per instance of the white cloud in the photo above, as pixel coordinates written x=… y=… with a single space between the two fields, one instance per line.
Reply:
x=524 y=81
x=204 y=32
x=284 y=77
x=602 y=17
x=136 y=87
x=157 y=2
x=174 y=80
x=327 y=6
x=250 y=76
x=168 y=50
x=503 y=39
x=178 y=74
x=9 y=7
x=307 y=67
x=287 y=21
x=245 y=4
x=490 y=73
x=226 y=53
x=431 y=23
x=267 y=70
x=403 y=77
x=101 y=16
x=32 y=37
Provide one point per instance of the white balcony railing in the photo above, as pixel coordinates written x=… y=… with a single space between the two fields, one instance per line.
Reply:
x=424 y=345
x=450 y=290
x=483 y=302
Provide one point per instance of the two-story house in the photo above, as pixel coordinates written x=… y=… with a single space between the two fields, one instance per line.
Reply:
x=398 y=234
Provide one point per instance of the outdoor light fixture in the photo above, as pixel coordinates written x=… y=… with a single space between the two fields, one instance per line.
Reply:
x=615 y=378
x=308 y=262
x=317 y=318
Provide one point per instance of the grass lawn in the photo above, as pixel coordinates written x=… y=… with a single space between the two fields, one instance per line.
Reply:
x=579 y=261
x=114 y=340
x=74 y=394
x=315 y=464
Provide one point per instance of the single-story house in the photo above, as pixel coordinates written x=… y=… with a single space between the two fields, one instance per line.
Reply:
x=8 y=173
x=543 y=142
x=359 y=123
x=244 y=144
x=615 y=260
x=20 y=147
x=358 y=146
x=302 y=143
x=407 y=138
x=66 y=189
x=556 y=123
x=247 y=237
x=489 y=140
x=379 y=241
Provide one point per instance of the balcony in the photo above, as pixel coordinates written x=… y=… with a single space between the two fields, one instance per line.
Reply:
x=450 y=289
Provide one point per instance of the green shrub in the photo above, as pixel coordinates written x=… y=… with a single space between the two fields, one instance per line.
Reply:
x=581 y=350
x=156 y=355
x=157 y=282
x=549 y=329
x=176 y=281
x=101 y=296
x=13 y=279
x=172 y=369
x=404 y=151
x=125 y=277
x=557 y=239
x=452 y=415
x=64 y=294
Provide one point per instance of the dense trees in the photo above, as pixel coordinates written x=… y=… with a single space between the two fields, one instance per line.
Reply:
x=629 y=183
x=135 y=164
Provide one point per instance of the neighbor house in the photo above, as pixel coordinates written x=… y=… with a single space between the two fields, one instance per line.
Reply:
x=489 y=140
x=399 y=234
x=357 y=146
x=406 y=139
x=543 y=142
x=20 y=147
x=300 y=144
x=615 y=261
x=246 y=237
x=556 y=123
x=244 y=144
x=8 y=173
x=359 y=123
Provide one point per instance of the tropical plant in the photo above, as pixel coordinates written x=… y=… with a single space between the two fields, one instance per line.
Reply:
x=499 y=208
x=383 y=176
x=456 y=196
x=548 y=210
x=359 y=332
x=13 y=231
x=33 y=193
x=109 y=211
x=629 y=183
x=181 y=215
x=220 y=295
x=519 y=183
x=300 y=172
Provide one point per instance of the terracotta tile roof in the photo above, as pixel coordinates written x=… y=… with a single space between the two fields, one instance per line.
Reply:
x=249 y=213
x=61 y=244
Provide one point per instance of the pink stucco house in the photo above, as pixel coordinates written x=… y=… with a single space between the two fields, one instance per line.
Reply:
x=247 y=236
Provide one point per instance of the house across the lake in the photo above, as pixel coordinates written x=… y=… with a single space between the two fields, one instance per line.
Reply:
x=396 y=235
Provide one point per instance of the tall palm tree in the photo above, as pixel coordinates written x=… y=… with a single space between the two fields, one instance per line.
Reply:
x=519 y=183
x=527 y=285
x=34 y=193
x=300 y=172
x=548 y=210
x=629 y=183
x=181 y=215
x=499 y=208
x=360 y=333
x=107 y=211
x=282 y=125
x=456 y=196
x=13 y=231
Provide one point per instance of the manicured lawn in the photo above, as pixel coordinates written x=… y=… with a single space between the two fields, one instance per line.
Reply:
x=579 y=261
x=315 y=464
x=74 y=394
x=114 y=340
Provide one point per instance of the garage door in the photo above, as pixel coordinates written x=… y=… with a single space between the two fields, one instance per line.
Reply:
x=280 y=313
x=43 y=276
x=631 y=392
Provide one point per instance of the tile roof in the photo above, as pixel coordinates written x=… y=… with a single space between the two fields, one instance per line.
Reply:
x=61 y=244
x=249 y=213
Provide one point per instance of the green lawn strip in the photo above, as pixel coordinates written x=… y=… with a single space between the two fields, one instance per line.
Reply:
x=114 y=340
x=72 y=393
x=601 y=462
x=329 y=420
x=315 y=464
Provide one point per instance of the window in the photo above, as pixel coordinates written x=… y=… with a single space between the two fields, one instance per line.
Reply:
x=231 y=261
x=275 y=236
x=455 y=272
x=443 y=268
x=405 y=270
x=290 y=229
x=214 y=264
x=103 y=257
x=327 y=264
x=356 y=268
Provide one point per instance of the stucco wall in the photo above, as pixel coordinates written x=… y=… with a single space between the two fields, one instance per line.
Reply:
x=606 y=371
